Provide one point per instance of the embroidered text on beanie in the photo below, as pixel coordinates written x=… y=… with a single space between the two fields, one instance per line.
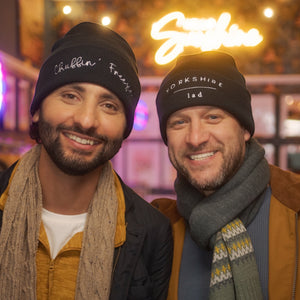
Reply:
x=91 y=53
x=209 y=78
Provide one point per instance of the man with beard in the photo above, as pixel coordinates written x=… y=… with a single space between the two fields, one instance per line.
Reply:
x=71 y=229
x=236 y=222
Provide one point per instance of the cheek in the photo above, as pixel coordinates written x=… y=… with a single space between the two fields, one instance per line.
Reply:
x=173 y=137
x=55 y=111
x=114 y=127
x=58 y=115
x=174 y=146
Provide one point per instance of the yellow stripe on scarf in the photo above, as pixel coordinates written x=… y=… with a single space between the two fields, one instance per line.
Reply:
x=120 y=235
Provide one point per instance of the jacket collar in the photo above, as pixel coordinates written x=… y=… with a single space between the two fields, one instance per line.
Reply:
x=286 y=187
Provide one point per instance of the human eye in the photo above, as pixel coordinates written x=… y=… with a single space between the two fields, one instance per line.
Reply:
x=69 y=97
x=70 y=93
x=176 y=123
x=112 y=106
x=214 y=117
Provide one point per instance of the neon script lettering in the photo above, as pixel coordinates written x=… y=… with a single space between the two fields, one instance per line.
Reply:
x=206 y=34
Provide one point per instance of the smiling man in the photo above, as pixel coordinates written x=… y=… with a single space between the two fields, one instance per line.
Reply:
x=236 y=221
x=71 y=229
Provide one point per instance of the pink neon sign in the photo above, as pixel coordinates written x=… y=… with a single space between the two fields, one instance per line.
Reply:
x=1 y=86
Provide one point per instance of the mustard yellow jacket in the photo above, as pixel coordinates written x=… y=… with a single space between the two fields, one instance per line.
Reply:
x=284 y=237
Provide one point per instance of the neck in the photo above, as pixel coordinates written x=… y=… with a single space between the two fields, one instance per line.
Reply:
x=63 y=193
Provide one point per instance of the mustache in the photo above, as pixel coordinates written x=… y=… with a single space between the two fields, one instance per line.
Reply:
x=204 y=147
x=91 y=132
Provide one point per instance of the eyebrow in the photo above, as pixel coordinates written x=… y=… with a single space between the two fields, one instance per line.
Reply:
x=110 y=96
x=74 y=86
x=106 y=94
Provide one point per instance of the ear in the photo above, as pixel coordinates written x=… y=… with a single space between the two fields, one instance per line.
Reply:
x=247 y=135
x=36 y=116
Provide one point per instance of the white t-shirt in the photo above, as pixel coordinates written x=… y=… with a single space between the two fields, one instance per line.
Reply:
x=60 y=228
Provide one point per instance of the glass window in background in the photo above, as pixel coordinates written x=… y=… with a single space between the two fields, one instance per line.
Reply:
x=263 y=107
x=290 y=115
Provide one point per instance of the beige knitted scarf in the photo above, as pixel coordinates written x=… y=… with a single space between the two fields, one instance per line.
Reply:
x=20 y=233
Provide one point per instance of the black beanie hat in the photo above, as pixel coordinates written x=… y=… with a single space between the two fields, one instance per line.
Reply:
x=91 y=53
x=208 y=78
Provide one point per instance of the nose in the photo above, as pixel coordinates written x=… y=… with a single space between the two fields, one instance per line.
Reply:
x=197 y=133
x=86 y=115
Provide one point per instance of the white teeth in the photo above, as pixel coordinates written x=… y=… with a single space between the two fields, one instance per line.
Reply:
x=80 y=140
x=201 y=156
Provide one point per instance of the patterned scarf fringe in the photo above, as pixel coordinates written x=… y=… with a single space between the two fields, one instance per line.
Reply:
x=234 y=273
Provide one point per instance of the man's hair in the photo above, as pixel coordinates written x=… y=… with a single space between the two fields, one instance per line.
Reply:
x=34 y=132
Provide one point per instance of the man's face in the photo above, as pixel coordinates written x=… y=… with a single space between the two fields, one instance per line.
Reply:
x=81 y=126
x=206 y=145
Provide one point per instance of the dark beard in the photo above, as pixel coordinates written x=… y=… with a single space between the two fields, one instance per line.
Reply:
x=228 y=169
x=75 y=164
x=226 y=173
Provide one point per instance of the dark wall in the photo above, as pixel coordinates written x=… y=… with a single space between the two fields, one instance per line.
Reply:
x=9 y=33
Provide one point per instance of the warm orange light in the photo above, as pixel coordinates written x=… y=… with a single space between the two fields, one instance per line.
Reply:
x=206 y=34
x=106 y=21
x=67 y=9
x=268 y=12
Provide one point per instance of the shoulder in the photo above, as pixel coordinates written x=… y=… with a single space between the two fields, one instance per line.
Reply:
x=5 y=176
x=285 y=187
x=168 y=207
x=146 y=220
x=140 y=210
x=4 y=180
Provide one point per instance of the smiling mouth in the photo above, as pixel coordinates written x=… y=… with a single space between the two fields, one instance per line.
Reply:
x=202 y=156
x=81 y=140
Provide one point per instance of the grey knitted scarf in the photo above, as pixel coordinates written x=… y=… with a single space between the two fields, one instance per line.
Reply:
x=228 y=210
x=20 y=233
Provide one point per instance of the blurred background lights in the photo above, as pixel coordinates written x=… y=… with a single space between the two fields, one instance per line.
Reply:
x=268 y=12
x=289 y=100
x=141 y=116
x=67 y=9
x=106 y=21
x=1 y=87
